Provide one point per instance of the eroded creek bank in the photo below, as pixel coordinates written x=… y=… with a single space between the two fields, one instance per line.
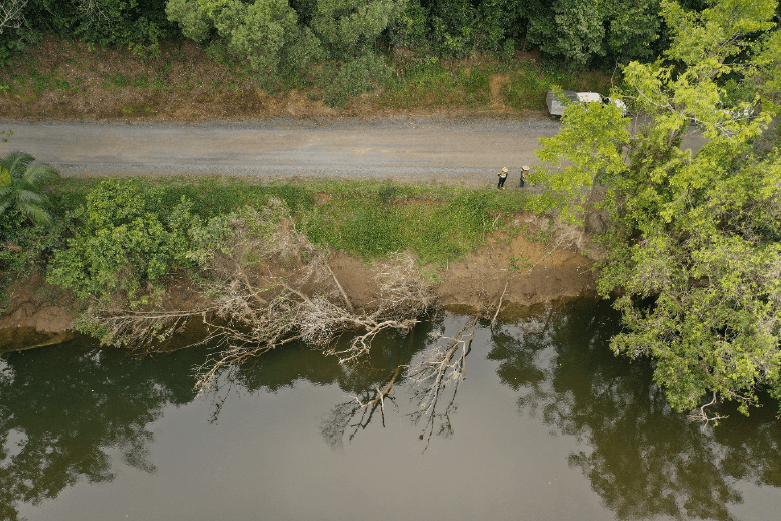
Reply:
x=515 y=269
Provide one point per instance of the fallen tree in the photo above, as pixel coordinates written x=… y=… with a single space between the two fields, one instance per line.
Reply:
x=430 y=374
x=266 y=285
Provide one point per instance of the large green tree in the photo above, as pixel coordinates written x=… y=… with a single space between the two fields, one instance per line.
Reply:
x=254 y=32
x=105 y=22
x=269 y=37
x=694 y=244
x=580 y=31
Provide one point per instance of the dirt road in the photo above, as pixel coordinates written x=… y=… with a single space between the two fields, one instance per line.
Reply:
x=407 y=149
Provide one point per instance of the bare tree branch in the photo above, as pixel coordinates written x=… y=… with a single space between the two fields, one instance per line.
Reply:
x=436 y=369
x=700 y=415
x=139 y=330
x=269 y=287
x=499 y=306
x=342 y=416
x=341 y=290
x=441 y=366
x=11 y=14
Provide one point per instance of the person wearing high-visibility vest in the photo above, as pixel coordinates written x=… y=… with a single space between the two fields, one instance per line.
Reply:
x=502 y=178
x=524 y=172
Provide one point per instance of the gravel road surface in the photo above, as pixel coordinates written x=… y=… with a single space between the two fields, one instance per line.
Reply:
x=406 y=149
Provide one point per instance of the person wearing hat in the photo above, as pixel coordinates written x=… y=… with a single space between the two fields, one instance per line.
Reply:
x=524 y=172
x=502 y=178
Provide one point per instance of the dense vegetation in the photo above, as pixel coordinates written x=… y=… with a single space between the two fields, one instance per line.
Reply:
x=575 y=30
x=695 y=242
x=341 y=48
x=129 y=237
x=26 y=227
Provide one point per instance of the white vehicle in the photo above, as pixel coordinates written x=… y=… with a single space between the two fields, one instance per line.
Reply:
x=556 y=107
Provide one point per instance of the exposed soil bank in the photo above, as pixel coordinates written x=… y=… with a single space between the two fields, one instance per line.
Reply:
x=532 y=273
x=38 y=316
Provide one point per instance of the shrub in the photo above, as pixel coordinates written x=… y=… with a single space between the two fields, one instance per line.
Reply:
x=25 y=247
x=128 y=243
x=355 y=77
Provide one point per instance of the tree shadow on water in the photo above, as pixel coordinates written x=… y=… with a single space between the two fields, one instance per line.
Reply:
x=642 y=458
x=65 y=409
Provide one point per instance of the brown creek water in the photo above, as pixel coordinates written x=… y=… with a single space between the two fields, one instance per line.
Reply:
x=547 y=425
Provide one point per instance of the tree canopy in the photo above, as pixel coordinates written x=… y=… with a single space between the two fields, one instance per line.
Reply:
x=579 y=32
x=694 y=245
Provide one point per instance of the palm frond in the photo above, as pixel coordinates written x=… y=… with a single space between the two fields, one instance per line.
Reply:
x=16 y=162
x=19 y=186
x=35 y=213
x=5 y=177
x=5 y=203
x=30 y=197
x=39 y=173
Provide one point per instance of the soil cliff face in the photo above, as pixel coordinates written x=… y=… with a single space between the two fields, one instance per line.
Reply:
x=516 y=271
x=39 y=315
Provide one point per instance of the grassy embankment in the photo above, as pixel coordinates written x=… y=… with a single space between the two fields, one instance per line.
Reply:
x=59 y=79
x=365 y=219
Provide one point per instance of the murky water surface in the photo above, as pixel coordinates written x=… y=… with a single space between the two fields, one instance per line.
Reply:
x=547 y=425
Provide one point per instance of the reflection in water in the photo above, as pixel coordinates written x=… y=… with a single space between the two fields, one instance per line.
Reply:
x=643 y=459
x=437 y=371
x=352 y=416
x=70 y=407
x=433 y=373
x=66 y=412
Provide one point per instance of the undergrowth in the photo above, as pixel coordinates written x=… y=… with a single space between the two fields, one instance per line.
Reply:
x=24 y=249
x=162 y=83
x=365 y=218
